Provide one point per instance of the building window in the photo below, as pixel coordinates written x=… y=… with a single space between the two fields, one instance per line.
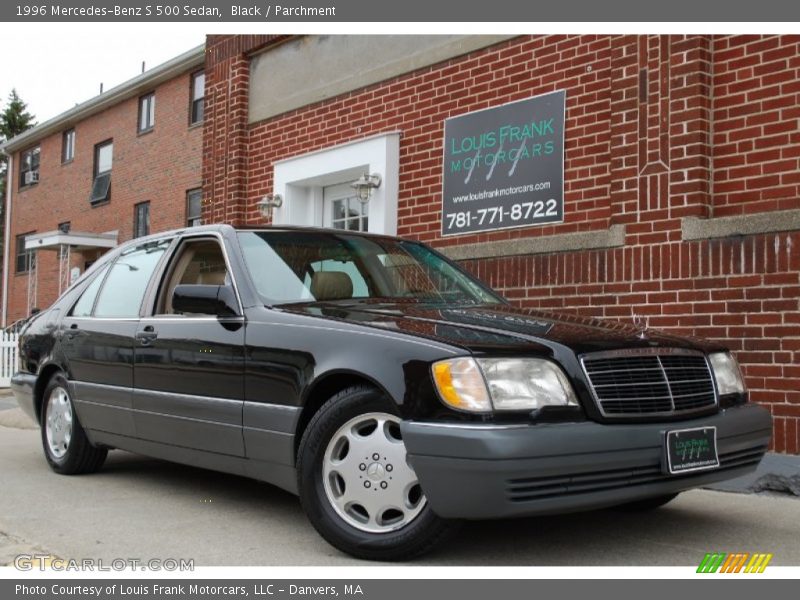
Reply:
x=198 y=94
x=29 y=167
x=194 y=206
x=147 y=112
x=141 y=219
x=103 y=161
x=25 y=260
x=343 y=210
x=67 y=146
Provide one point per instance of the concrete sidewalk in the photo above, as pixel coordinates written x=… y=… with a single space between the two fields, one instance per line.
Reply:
x=776 y=473
x=11 y=414
x=144 y=508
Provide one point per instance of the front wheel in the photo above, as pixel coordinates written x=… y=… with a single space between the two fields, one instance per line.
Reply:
x=66 y=447
x=356 y=485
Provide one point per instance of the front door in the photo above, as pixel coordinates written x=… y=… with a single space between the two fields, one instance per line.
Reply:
x=189 y=368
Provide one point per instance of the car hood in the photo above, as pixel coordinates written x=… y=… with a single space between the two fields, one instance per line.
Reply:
x=498 y=327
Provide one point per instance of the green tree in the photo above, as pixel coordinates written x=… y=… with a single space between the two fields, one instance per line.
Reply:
x=14 y=119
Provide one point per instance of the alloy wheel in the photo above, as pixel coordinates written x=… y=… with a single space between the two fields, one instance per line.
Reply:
x=58 y=425
x=366 y=477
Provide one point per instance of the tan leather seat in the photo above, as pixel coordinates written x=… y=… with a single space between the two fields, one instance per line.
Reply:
x=211 y=278
x=331 y=285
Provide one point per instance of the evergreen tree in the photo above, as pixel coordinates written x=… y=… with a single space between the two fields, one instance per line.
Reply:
x=14 y=119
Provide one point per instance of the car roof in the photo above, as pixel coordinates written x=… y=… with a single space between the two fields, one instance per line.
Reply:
x=224 y=228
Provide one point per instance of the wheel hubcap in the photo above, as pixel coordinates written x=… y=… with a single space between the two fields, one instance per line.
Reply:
x=366 y=477
x=58 y=422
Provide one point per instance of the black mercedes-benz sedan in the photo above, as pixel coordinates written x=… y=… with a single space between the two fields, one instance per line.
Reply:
x=389 y=389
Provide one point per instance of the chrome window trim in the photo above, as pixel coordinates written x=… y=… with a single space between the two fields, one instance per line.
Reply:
x=157 y=318
x=161 y=318
x=172 y=237
x=632 y=352
x=101 y=318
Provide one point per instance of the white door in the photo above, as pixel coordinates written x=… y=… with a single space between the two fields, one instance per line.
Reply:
x=341 y=209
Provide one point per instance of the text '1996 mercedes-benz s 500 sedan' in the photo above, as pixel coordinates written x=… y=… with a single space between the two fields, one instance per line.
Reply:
x=393 y=392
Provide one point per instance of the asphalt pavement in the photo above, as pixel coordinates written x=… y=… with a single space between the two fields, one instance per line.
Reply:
x=144 y=508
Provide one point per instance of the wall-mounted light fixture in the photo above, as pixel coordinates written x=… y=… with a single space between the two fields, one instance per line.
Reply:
x=364 y=186
x=268 y=203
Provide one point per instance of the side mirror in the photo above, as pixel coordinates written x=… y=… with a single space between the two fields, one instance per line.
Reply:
x=219 y=300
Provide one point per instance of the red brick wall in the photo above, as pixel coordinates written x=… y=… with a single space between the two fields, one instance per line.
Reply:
x=158 y=166
x=225 y=140
x=714 y=133
x=756 y=113
x=743 y=291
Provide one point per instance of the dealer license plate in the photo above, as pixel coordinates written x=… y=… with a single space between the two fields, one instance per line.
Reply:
x=691 y=450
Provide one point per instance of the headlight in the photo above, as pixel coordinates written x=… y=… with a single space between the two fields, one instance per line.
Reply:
x=526 y=384
x=460 y=384
x=726 y=372
x=502 y=383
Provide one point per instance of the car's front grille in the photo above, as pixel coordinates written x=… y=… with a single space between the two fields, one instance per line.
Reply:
x=527 y=489
x=650 y=382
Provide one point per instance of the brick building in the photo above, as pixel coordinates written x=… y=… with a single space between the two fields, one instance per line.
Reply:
x=681 y=198
x=123 y=164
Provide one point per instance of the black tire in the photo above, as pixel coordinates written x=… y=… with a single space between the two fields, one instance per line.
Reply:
x=648 y=503
x=79 y=456
x=413 y=539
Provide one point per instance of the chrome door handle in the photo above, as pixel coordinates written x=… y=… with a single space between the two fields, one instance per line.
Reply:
x=146 y=337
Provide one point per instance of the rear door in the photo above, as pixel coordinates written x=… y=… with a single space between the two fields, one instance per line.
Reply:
x=97 y=338
x=189 y=368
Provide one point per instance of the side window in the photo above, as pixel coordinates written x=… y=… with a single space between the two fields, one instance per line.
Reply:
x=198 y=262
x=83 y=307
x=127 y=281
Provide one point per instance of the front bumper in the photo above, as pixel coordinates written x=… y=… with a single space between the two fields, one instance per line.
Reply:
x=482 y=471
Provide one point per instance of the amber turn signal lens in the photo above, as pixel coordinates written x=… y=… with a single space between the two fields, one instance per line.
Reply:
x=461 y=385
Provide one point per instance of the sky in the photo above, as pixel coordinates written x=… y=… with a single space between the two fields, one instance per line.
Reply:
x=53 y=66
x=67 y=65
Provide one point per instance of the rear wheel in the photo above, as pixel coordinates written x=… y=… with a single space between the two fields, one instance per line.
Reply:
x=66 y=447
x=355 y=484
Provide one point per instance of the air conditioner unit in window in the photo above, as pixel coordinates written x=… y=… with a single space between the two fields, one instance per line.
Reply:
x=31 y=177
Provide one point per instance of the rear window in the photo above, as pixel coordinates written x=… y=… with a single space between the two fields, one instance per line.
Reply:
x=124 y=288
x=83 y=307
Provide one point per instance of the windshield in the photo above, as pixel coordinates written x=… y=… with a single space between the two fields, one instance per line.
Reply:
x=292 y=267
